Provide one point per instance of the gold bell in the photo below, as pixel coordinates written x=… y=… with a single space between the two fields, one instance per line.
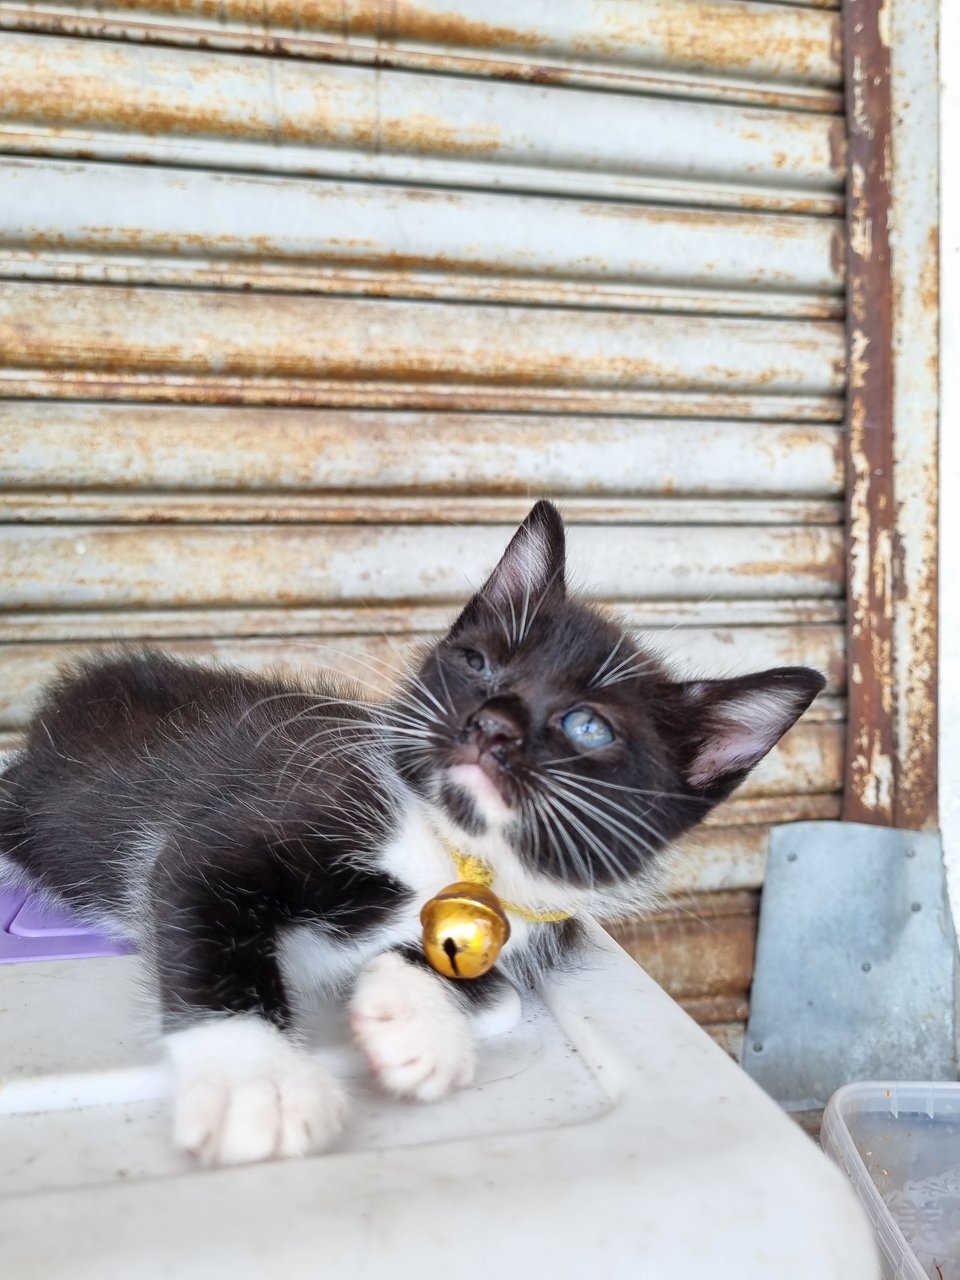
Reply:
x=464 y=930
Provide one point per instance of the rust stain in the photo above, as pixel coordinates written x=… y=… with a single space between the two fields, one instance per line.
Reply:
x=711 y=37
x=869 y=790
x=393 y=21
x=113 y=96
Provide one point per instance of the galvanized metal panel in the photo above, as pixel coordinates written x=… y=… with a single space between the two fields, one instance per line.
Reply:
x=123 y=566
x=750 y=51
x=117 y=101
x=857 y=963
x=120 y=223
x=178 y=449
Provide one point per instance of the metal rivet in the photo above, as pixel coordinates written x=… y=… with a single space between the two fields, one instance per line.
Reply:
x=865 y=966
x=791 y=857
x=758 y=1048
x=916 y=906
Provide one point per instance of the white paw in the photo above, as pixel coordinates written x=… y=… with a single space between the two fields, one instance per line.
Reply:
x=243 y=1092
x=416 y=1040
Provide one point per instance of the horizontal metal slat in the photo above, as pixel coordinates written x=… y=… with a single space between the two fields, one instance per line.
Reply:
x=166 y=334
x=808 y=760
x=376 y=660
x=162 y=625
x=124 y=566
x=748 y=51
x=126 y=102
x=721 y=858
x=700 y=947
x=126 y=449
x=767 y=810
x=70 y=507
x=119 y=223
x=206 y=389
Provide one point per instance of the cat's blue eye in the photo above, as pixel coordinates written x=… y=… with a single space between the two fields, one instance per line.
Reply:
x=474 y=659
x=586 y=728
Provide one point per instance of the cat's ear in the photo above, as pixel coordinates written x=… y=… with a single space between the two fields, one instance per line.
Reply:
x=534 y=562
x=533 y=566
x=734 y=723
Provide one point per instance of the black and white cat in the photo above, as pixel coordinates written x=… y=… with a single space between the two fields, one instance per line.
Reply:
x=261 y=838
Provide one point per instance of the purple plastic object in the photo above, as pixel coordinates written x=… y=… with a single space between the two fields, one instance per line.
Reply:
x=31 y=930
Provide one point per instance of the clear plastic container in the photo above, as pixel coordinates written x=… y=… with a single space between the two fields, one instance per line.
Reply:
x=900 y=1146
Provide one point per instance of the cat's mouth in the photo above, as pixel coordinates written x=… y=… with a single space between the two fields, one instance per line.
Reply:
x=485 y=782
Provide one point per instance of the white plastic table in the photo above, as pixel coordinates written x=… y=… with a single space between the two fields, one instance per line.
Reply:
x=606 y=1136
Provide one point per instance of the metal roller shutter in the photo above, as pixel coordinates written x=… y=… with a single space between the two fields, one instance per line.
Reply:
x=297 y=311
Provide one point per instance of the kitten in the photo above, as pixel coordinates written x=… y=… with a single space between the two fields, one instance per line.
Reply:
x=260 y=838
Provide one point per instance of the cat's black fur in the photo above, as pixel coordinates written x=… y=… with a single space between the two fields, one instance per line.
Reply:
x=208 y=811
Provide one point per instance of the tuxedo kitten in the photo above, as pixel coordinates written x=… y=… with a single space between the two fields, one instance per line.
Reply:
x=261 y=838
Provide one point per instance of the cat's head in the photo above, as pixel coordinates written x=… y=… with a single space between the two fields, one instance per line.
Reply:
x=540 y=716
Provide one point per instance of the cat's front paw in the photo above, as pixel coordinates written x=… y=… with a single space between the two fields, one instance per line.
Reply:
x=243 y=1092
x=417 y=1041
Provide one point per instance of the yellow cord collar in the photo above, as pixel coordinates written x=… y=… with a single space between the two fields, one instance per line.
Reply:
x=476 y=871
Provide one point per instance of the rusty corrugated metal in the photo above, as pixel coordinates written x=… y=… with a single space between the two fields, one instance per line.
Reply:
x=751 y=53
x=478 y=289
x=386 y=619
x=214 y=450
x=127 y=224
x=70 y=507
x=95 y=99
x=168 y=334
x=120 y=566
x=698 y=947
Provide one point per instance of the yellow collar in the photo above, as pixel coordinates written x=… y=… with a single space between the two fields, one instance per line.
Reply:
x=476 y=871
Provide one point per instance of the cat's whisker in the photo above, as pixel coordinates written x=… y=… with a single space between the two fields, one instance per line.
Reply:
x=377 y=666
x=606 y=856
x=634 y=664
x=343 y=745
x=613 y=825
x=552 y=819
x=607 y=660
x=631 y=816
x=654 y=793
x=446 y=690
